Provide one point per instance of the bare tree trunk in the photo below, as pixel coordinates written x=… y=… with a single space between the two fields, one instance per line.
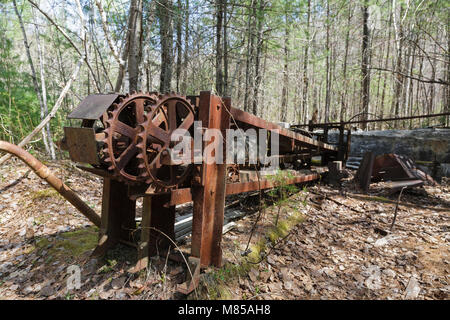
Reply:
x=126 y=49
x=365 y=70
x=44 y=112
x=398 y=83
x=259 y=46
x=383 y=92
x=164 y=12
x=249 y=62
x=179 y=45
x=134 y=56
x=186 y=46
x=305 y=68
x=285 y=93
x=219 y=58
x=225 y=47
x=344 y=67
x=447 y=88
x=328 y=73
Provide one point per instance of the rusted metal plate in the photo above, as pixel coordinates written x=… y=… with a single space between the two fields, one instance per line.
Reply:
x=393 y=167
x=245 y=117
x=234 y=188
x=93 y=106
x=82 y=144
x=364 y=173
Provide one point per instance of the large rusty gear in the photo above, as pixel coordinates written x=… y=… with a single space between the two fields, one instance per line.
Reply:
x=170 y=112
x=121 y=134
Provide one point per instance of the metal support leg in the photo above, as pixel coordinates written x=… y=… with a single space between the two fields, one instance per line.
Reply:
x=118 y=216
x=209 y=196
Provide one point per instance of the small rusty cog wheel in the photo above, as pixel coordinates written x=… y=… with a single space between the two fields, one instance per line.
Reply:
x=170 y=112
x=121 y=134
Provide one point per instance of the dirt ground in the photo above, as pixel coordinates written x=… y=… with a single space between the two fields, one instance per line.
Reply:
x=341 y=250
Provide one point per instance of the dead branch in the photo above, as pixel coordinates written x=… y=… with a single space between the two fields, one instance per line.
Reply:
x=424 y=80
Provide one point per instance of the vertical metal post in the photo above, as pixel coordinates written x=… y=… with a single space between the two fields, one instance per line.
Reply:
x=118 y=215
x=158 y=223
x=209 y=194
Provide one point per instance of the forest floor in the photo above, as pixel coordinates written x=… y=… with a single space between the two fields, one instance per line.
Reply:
x=340 y=250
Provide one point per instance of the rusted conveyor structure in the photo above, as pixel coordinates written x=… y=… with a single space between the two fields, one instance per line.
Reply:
x=129 y=141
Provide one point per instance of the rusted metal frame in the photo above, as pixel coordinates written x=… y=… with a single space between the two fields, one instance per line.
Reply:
x=118 y=211
x=157 y=228
x=184 y=195
x=240 y=187
x=209 y=196
x=118 y=216
x=143 y=245
x=245 y=117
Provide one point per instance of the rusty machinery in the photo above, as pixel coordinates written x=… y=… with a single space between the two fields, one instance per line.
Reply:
x=126 y=139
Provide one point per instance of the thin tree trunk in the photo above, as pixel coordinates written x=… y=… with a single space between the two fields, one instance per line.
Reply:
x=383 y=92
x=219 y=58
x=134 y=56
x=285 y=93
x=305 y=67
x=259 y=45
x=225 y=47
x=328 y=73
x=186 y=46
x=164 y=11
x=249 y=62
x=398 y=83
x=179 y=45
x=365 y=69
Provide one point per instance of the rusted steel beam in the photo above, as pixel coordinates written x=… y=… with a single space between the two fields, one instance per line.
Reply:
x=209 y=196
x=184 y=195
x=234 y=188
x=248 y=118
x=43 y=172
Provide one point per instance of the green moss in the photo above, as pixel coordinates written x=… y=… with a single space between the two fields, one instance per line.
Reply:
x=70 y=245
x=45 y=193
x=78 y=242
x=42 y=243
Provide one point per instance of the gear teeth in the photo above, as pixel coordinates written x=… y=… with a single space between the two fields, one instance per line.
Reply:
x=112 y=116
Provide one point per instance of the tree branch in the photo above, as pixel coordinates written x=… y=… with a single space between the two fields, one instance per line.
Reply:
x=424 y=80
